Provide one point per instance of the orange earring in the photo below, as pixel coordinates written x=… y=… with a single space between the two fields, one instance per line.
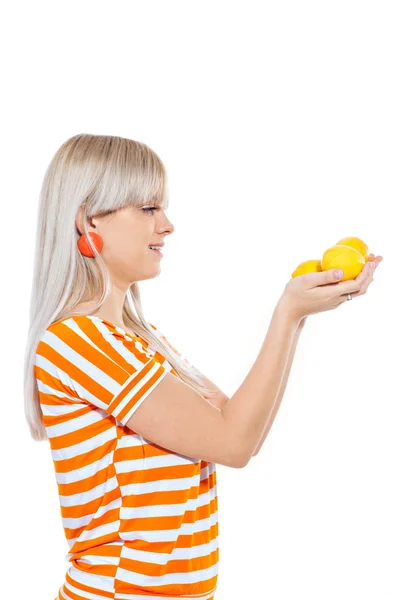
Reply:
x=84 y=247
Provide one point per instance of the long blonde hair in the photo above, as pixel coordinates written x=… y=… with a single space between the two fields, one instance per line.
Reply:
x=104 y=173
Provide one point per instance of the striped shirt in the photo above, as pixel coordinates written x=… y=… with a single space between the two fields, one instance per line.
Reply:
x=140 y=521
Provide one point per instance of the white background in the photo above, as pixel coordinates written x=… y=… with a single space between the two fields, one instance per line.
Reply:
x=279 y=126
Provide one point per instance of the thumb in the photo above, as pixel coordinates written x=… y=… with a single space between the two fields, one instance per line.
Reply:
x=332 y=275
x=323 y=277
x=317 y=278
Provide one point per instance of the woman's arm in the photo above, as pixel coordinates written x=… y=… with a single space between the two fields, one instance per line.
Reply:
x=219 y=398
x=283 y=386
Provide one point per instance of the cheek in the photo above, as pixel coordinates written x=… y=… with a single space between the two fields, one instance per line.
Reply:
x=125 y=248
x=126 y=260
x=124 y=238
x=127 y=242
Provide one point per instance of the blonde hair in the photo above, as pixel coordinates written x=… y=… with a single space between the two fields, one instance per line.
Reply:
x=104 y=173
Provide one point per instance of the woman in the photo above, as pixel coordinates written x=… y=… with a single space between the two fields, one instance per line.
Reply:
x=135 y=430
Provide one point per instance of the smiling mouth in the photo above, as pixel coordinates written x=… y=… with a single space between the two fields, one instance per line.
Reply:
x=158 y=251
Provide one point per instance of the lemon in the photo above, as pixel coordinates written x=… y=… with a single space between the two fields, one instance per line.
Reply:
x=358 y=244
x=308 y=266
x=347 y=258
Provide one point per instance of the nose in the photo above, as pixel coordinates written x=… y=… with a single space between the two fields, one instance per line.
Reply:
x=166 y=226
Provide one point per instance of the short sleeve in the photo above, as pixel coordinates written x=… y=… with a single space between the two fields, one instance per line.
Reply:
x=87 y=360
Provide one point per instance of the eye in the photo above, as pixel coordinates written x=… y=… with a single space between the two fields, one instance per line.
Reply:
x=149 y=209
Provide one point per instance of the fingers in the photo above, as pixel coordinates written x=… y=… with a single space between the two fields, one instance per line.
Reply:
x=367 y=281
x=359 y=285
x=354 y=286
x=363 y=280
x=370 y=278
x=375 y=259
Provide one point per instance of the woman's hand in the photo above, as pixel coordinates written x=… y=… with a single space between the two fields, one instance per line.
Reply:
x=321 y=291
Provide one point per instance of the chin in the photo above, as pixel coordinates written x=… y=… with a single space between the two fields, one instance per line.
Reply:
x=151 y=275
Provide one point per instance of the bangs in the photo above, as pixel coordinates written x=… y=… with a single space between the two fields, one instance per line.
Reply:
x=157 y=201
x=126 y=174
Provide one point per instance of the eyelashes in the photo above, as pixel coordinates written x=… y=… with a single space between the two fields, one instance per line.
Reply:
x=151 y=209
x=148 y=209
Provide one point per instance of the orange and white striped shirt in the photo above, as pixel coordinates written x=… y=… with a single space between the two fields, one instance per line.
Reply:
x=140 y=520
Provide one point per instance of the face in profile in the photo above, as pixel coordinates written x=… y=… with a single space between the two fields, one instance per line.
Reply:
x=127 y=235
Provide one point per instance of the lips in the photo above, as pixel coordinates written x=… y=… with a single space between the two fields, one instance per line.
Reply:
x=156 y=250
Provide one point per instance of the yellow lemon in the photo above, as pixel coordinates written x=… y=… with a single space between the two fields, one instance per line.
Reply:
x=350 y=260
x=358 y=244
x=308 y=266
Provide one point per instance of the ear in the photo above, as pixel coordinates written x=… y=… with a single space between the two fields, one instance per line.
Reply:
x=80 y=215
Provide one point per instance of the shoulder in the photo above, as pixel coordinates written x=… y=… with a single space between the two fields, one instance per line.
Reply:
x=80 y=339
